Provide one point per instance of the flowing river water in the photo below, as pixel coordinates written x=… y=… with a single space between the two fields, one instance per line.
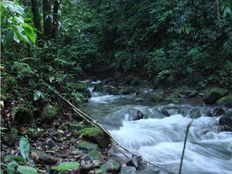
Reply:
x=159 y=139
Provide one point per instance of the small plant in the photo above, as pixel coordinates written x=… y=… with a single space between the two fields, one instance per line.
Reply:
x=20 y=163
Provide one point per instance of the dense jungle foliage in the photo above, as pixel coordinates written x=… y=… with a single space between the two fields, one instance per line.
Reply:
x=61 y=42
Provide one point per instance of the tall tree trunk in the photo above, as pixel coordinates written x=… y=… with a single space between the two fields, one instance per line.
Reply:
x=47 y=17
x=36 y=17
x=55 y=19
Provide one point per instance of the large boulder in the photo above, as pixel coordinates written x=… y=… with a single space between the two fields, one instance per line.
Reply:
x=96 y=135
x=225 y=101
x=214 y=94
x=226 y=121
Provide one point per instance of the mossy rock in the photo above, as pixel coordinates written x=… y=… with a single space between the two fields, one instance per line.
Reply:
x=156 y=97
x=49 y=113
x=111 y=166
x=95 y=135
x=225 y=101
x=95 y=155
x=128 y=90
x=214 y=94
x=87 y=146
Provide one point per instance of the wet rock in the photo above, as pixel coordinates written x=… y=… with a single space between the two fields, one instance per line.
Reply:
x=87 y=146
x=195 y=113
x=170 y=110
x=226 y=121
x=128 y=90
x=218 y=112
x=214 y=94
x=42 y=157
x=137 y=162
x=49 y=113
x=225 y=101
x=10 y=138
x=116 y=118
x=128 y=170
x=165 y=112
x=111 y=166
x=95 y=135
x=188 y=93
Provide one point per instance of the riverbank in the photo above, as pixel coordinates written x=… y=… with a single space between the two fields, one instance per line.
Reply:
x=66 y=138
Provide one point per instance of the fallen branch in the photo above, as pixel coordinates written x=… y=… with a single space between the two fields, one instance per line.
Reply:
x=183 y=151
x=93 y=122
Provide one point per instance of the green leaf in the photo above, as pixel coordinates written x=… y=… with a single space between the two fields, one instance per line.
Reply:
x=37 y=95
x=26 y=170
x=67 y=166
x=11 y=167
x=24 y=147
x=100 y=170
x=29 y=32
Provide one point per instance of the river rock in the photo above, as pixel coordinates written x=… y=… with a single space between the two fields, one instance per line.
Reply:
x=155 y=97
x=218 y=112
x=128 y=90
x=214 y=94
x=225 y=101
x=128 y=170
x=226 y=121
x=189 y=93
x=42 y=157
x=130 y=114
x=137 y=162
x=111 y=166
x=95 y=135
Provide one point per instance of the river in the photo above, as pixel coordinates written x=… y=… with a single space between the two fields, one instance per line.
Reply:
x=159 y=139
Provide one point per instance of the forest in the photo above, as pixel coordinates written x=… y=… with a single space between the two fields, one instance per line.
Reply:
x=116 y=86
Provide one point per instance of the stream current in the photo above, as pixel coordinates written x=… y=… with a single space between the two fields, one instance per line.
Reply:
x=159 y=139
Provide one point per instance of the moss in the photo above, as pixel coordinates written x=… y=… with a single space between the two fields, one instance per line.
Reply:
x=85 y=145
x=92 y=131
x=214 y=94
x=226 y=101
x=95 y=155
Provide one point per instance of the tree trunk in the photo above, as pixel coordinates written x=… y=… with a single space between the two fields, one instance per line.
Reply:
x=36 y=17
x=55 y=19
x=47 y=17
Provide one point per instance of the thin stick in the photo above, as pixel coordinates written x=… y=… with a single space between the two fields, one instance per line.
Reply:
x=94 y=123
x=185 y=142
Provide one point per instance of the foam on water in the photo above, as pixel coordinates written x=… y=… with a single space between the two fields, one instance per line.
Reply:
x=161 y=141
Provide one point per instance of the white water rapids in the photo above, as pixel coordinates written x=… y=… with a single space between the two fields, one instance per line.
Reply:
x=160 y=140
